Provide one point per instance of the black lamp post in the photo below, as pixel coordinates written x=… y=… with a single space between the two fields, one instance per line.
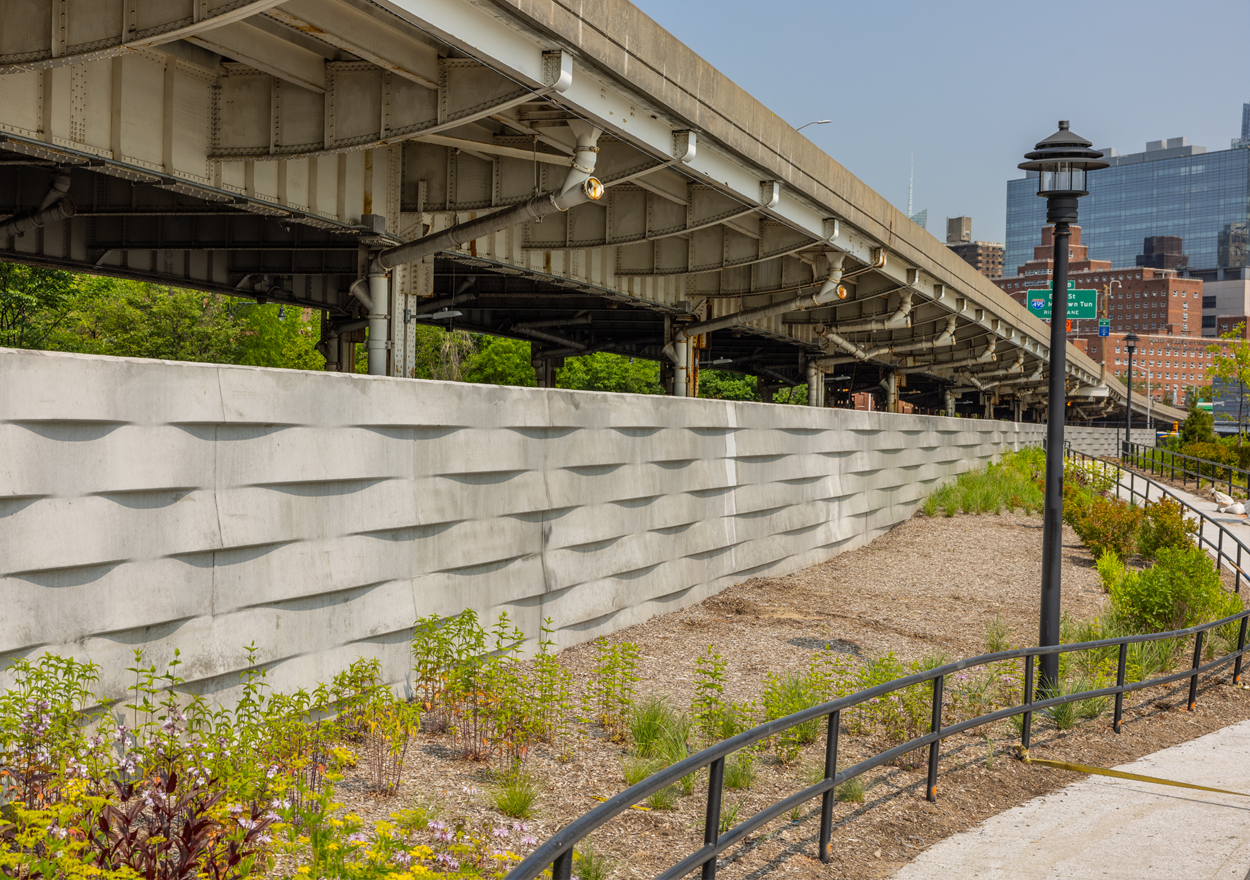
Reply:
x=1130 y=342
x=1061 y=162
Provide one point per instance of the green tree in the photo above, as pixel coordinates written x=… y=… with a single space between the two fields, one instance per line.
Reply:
x=501 y=361
x=610 y=372
x=1198 y=426
x=1231 y=364
x=722 y=385
x=33 y=303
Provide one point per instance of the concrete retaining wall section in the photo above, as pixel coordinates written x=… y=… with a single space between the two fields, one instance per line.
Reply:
x=1103 y=441
x=160 y=505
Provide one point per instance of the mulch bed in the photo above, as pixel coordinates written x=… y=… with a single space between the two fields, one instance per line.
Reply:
x=930 y=585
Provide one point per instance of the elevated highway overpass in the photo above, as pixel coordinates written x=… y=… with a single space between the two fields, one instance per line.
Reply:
x=283 y=151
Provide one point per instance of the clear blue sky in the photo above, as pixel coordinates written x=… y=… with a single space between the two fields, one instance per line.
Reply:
x=970 y=87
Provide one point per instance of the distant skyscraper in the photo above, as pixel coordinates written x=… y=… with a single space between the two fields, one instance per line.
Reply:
x=1245 y=121
x=921 y=218
x=1171 y=190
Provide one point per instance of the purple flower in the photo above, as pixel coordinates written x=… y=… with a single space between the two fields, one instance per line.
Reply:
x=501 y=831
x=529 y=840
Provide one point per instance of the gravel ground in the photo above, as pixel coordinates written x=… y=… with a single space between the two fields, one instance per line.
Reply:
x=932 y=585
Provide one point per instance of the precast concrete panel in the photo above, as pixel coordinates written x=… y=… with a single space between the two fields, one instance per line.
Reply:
x=163 y=505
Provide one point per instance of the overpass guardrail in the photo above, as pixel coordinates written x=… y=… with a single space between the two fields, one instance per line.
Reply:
x=556 y=853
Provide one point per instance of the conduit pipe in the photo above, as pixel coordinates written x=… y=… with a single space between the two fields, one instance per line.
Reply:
x=813 y=384
x=54 y=208
x=555 y=322
x=829 y=290
x=374 y=295
x=578 y=189
x=551 y=337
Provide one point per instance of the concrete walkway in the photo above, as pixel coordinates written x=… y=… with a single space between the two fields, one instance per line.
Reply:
x=1112 y=828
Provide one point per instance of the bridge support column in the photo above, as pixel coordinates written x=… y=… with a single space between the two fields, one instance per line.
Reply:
x=766 y=390
x=546 y=369
x=949 y=398
x=1017 y=410
x=890 y=384
x=987 y=401
x=815 y=385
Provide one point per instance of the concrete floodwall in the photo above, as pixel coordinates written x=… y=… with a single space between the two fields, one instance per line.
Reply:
x=1103 y=441
x=168 y=505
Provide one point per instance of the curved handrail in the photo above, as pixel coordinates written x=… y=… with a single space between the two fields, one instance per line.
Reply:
x=1164 y=460
x=1217 y=546
x=557 y=851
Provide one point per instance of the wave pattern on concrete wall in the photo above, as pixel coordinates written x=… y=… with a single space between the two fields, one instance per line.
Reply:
x=201 y=507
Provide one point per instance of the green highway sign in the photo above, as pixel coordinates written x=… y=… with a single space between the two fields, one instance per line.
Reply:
x=1081 y=303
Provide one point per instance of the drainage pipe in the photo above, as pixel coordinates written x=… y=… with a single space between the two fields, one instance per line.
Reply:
x=373 y=296
x=828 y=291
x=813 y=384
x=680 y=357
x=555 y=322
x=54 y=208
x=578 y=189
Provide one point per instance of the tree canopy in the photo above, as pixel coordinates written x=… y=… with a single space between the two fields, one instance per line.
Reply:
x=59 y=311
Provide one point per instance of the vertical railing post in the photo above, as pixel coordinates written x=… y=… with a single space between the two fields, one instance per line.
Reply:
x=1026 y=728
x=1219 y=550
x=1241 y=646
x=826 y=799
x=1201 y=522
x=935 y=727
x=1119 y=682
x=711 y=831
x=562 y=867
x=1193 y=679
x=1237 y=576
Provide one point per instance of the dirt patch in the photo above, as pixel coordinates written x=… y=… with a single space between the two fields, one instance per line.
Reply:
x=930 y=585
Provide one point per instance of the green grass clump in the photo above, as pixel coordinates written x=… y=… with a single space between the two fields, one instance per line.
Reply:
x=664 y=799
x=637 y=769
x=516 y=794
x=591 y=864
x=1008 y=485
x=740 y=772
x=851 y=791
x=649 y=721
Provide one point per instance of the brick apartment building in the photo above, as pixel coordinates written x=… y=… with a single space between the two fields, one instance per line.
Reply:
x=1163 y=309
x=985 y=256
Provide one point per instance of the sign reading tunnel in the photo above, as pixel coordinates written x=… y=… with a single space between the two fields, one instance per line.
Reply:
x=1081 y=303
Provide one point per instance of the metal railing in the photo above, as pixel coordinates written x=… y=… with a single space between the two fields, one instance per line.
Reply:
x=1212 y=536
x=1165 y=462
x=557 y=851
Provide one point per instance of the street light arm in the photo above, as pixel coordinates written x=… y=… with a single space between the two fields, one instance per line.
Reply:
x=814 y=122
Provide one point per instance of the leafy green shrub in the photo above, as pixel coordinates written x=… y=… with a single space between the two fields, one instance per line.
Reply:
x=1164 y=525
x=785 y=694
x=1180 y=590
x=1110 y=524
x=1111 y=570
x=612 y=690
x=715 y=717
x=901 y=715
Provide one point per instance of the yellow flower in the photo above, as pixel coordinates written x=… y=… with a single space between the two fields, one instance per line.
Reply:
x=303 y=869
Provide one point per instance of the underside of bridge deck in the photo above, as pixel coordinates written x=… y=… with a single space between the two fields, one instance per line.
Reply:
x=394 y=163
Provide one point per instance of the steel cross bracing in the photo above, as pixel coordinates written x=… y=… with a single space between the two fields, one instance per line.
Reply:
x=268 y=149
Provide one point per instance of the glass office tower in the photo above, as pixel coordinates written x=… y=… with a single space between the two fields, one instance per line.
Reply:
x=1170 y=190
